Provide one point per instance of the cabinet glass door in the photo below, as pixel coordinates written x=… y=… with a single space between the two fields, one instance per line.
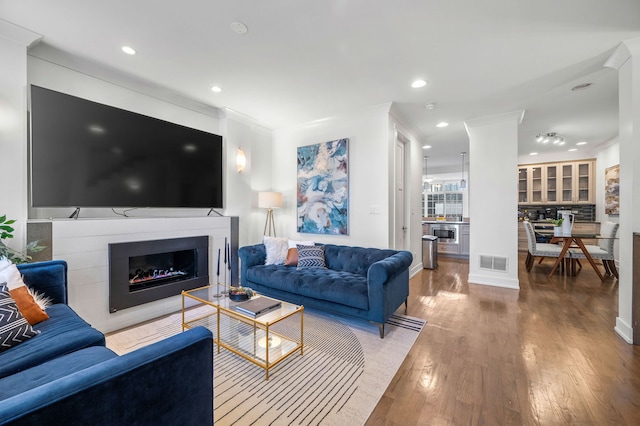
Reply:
x=522 y=185
x=567 y=182
x=536 y=185
x=552 y=184
x=584 y=184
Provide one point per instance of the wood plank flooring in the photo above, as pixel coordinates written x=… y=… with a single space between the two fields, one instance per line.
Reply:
x=546 y=354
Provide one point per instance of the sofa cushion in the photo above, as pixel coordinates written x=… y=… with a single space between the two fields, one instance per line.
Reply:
x=50 y=370
x=324 y=284
x=64 y=332
x=14 y=328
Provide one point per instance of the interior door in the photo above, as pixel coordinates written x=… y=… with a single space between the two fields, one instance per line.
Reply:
x=400 y=228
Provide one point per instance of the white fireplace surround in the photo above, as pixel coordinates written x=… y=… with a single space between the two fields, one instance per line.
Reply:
x=84 y=244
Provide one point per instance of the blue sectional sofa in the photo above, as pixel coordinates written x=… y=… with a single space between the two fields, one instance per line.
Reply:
x=65 y=374
x=366 y=283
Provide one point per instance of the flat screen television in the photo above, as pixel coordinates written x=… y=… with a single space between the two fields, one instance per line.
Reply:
x=86 y=154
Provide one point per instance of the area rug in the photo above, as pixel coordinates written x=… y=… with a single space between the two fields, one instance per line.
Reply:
x=344 y=371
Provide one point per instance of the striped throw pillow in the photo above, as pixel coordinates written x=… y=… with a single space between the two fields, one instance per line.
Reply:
x=311 y=257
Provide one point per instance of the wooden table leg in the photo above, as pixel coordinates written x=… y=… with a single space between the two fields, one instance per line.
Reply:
x=589 y=258
x=565 y=247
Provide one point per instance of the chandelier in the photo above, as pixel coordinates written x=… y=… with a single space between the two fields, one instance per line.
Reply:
x=550 y=137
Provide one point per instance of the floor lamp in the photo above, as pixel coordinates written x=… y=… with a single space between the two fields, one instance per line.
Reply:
x=269 y=201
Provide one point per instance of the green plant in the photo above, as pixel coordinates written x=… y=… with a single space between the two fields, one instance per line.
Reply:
x=15 y=256
x=556 y=222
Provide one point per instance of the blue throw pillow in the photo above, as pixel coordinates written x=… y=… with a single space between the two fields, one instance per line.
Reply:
x=14 y=328
x=311 y=257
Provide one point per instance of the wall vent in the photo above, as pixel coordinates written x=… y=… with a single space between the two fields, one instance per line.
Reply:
x=494 y=263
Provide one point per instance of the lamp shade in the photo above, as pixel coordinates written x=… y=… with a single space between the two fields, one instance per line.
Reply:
x=269 y=200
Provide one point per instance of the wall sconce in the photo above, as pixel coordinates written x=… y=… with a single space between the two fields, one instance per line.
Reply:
x=241 y=160
x=269 y=201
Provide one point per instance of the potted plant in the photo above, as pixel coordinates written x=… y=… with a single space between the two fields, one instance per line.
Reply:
x=557 y=226
x=15 y=256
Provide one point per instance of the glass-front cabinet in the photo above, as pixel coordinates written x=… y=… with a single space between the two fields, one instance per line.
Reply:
x=553 y=183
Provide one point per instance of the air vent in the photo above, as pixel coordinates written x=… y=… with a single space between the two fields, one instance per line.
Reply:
x=494 y=263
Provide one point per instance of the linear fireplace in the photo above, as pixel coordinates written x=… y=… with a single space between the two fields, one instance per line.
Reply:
x=144 y=271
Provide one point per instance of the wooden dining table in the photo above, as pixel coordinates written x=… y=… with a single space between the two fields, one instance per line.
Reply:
x=572 y=241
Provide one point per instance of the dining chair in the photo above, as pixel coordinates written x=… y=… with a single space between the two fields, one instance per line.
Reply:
x=538 y=249
x=603 y=250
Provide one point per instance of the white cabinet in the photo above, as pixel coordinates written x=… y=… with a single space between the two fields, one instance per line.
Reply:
x=577 y=181
x=464 y=240
x=553 y=183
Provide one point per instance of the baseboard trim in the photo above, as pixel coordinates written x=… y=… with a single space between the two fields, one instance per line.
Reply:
x=513 y=284
x=624 y=330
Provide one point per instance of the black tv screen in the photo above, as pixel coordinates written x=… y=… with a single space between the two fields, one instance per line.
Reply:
x=86 y=154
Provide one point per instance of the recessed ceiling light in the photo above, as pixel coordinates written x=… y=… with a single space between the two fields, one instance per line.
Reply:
x=533 y=153
x=129 y=50
x=426 y=146
x=442 y=124
x=418 y=83
x=581 y=86
x=573 y=149
x=430 y=106
x=216 y=89
x=239 y=27
x=581 y=143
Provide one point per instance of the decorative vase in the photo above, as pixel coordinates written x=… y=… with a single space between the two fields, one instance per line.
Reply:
x=557 y=231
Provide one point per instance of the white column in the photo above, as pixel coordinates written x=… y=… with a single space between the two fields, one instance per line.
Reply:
x=629 y=134
x=493 y=201
x=14 y=41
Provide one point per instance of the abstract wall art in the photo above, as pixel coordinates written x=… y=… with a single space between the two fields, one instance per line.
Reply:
x=323 y=188
x=612 y=190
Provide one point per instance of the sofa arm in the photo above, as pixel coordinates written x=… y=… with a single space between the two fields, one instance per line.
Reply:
x=49 y=277
x=384 y=270
x=388 y=282
x=160 y=384
x=251 y=256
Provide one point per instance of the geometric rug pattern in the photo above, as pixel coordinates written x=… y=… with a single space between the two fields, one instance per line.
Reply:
x=344 y=371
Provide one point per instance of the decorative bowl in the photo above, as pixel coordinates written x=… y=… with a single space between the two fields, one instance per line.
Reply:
x=238 y=294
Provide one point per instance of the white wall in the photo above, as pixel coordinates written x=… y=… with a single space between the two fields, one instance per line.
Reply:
x=369 y=173
x=13 y=127
x=493 y=142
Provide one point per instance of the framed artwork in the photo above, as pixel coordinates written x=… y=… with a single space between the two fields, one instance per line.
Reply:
x=612 y=190
x=323 y=188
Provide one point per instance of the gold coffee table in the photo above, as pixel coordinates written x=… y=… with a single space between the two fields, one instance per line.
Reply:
x=265 y=340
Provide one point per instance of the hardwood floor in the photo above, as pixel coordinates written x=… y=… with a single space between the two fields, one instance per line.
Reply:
x=546 y=354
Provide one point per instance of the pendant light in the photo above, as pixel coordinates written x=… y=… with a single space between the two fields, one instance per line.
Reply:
x=463 y=183
x=425 y=180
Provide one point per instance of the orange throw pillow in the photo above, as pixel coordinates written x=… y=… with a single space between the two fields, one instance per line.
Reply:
x=27 y=306
x=292 y=257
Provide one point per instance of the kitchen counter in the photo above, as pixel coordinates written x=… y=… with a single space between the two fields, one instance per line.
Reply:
x=445 y=222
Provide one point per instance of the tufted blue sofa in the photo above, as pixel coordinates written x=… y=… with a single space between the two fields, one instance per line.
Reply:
x=65 y=374
x=366 y=283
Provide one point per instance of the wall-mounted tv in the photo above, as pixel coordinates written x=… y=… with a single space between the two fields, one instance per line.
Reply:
x=86 y=154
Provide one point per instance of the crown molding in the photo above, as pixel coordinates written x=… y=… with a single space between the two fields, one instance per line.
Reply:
x=18 y=34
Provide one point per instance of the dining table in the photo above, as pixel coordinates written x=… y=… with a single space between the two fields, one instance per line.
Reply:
x=575 y=240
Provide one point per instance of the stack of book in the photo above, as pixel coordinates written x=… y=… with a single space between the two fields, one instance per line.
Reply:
x=257 y=306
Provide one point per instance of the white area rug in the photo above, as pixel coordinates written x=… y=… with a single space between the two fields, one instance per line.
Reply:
x=345 y=370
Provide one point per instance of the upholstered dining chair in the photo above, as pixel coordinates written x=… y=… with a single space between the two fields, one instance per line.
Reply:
x=604 y=249
x=538 y=249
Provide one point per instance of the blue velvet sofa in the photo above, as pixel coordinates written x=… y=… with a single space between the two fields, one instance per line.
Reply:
x=65 y=374
x=366 y=283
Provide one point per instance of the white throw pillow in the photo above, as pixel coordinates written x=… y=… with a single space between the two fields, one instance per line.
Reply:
x=11 y=276
x=276 y=250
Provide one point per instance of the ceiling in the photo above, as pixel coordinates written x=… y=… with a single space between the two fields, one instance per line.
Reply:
x=303 y=60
